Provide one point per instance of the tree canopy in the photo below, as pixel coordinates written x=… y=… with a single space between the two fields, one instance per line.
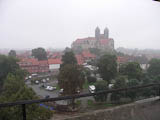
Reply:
x=71 y=79
x=68 y=58
x=12 y=53
x=107 y=67
x=13 y=89
x=131 y=69
x=154 y=68
x=39 y=53
x=7 y=65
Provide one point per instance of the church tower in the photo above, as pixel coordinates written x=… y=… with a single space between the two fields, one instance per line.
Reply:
x=97 y=33
x=106 y=33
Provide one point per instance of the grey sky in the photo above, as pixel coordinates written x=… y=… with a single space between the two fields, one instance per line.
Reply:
x=56 y=23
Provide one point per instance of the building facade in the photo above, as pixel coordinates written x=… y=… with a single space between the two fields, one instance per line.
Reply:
x=100 y=41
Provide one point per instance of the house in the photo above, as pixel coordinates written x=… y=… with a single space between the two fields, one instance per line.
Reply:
x=54 y=64
x=43 y=66
x=32 y=65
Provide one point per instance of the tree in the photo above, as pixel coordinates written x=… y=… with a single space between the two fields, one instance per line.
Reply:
x=101 y=86
x=39 y=53
x=95 y=51
x=154 y=68
x=132 y=94
x=68 y=58
x=120 y=82
x=7 y=65
x=107 y=67
x=71 y=79
x=14 y=89
x=132 y=70
x=12 y=53
x=91 y=79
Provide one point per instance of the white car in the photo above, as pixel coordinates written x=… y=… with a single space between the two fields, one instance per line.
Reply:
x=44 y=81
x=92 y=88
x=50 y=88
x=37 y=82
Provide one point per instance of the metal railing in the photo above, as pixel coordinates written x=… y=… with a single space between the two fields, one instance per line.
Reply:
x=23 y=103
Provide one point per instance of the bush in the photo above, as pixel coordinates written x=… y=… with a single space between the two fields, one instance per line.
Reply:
x=100 y=86
x=91 y=79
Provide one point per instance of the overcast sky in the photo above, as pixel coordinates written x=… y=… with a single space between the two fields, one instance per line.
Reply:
x=57 y=23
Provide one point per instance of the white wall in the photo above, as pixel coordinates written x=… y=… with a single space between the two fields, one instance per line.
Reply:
x=54 y=66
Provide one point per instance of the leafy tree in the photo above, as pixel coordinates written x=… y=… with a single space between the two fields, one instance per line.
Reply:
x=95 y=51
x=132 y=70
x=107 y=67
x=68 y=58
x=91 y=79
x=101 y=86
x=39 y=53
x=120 y=82
x=132 y=94
x=14 y=90
x=147 y=92
x=154 y=68
x=12 y=53
x=71 y=78
x=7 y=65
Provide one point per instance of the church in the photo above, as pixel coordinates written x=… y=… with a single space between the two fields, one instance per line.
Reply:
x=100 y=41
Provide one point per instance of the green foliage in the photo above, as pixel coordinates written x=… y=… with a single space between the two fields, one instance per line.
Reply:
x=107 y=67
x=154 y=68
x=12 y=53
x=39 y=53
x=68 y=58
x=95 y=51
x=7 y=65
x=132 y=70
x=15 y=90
x=120 y=82
x=100 y=86
x=71 y=78
x=91 y=79
x=132 y=94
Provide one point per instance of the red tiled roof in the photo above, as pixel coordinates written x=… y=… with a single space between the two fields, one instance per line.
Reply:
x=87 y=54
x=54 y=61
x=78 y=41
x=43 y=62
x=104 y=41
x=32 y=61
x=122 y=59
x=80 y=59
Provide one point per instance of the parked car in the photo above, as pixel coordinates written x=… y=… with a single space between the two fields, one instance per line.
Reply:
x=47 y=96
x=37 y=82
x=61 y=91
x=50 y=88
x=92 y=89
x=44 y=80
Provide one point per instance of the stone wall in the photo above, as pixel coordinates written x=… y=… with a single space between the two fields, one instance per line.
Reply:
x=142 y=110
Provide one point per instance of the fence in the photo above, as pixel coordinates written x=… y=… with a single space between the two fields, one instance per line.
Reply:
x=26 y=102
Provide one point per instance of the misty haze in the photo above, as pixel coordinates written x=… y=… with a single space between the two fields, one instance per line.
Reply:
x=79 y=59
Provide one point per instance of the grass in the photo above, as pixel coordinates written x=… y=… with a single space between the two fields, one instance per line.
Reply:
x=98 y=105
x=78 y=102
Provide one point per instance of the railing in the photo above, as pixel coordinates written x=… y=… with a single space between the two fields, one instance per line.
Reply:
x=26 y=102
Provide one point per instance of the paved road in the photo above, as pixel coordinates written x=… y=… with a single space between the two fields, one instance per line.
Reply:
x=42 y=92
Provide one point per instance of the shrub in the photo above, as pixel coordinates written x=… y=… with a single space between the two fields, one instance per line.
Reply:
x=91 y=79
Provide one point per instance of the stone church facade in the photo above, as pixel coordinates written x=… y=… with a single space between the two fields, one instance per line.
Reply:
x=100 y=41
